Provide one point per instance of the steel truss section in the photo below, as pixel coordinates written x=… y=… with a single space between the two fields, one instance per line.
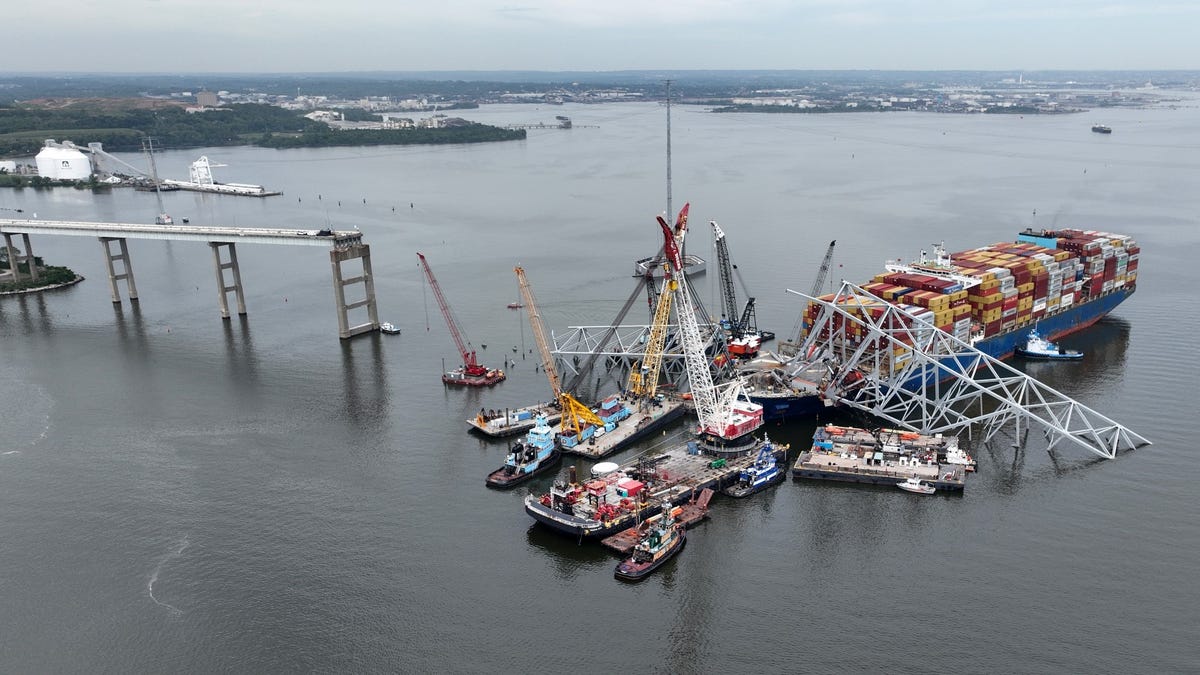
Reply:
x=626 y=348
x=882 y=360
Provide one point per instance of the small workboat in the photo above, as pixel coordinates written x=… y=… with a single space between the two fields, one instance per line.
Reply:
x=764 y=473
x=660 y=538
x=1037 y=347
x=916 y=485
x=389 y=328
x=515 y=305
x=527 y=458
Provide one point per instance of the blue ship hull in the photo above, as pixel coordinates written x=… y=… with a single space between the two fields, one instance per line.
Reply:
x=999 y=346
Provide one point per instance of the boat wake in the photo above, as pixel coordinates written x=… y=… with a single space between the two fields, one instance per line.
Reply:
x=32 y=415
x=12 y=452
x=183 y=543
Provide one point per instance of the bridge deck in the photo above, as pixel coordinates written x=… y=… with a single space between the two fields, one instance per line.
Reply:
x=246 y=235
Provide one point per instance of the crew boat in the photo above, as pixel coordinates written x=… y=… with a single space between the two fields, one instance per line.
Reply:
x=916 y=485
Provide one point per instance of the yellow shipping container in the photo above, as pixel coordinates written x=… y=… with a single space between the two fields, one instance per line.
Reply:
x=961 y=311
x=1025 y=288
x=957 y=296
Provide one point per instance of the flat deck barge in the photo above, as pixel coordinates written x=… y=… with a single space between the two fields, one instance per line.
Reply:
x=639 y=425
x=885 y=457
x=512 y=421
x=687 y=515
x=637 y=490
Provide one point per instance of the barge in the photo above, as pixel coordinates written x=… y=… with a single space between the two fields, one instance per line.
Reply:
x=884 y=457
x=512 y=421
x=640 y=423
x=637 y=490
x=688 y=515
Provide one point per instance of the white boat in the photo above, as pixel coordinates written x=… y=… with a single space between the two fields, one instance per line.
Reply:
x=1037 y=347
x=389 y=328
x=916 y=485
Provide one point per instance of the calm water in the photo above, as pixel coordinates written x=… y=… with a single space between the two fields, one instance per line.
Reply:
x=185 y=494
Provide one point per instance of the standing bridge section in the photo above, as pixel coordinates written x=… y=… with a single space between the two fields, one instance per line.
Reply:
x=901 y=368
x=343 y=245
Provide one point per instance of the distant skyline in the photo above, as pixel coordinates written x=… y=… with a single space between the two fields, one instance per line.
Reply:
x=599 y=35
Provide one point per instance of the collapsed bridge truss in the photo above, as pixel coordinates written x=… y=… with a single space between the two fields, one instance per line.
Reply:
x=891 y=364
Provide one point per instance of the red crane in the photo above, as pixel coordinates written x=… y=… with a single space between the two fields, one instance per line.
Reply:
x=470 y=373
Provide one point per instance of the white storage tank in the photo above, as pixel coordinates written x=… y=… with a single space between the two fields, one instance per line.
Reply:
x=63 y=161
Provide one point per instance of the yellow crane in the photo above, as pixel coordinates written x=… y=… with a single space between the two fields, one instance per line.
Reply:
x=575 y=414
x=643 y=378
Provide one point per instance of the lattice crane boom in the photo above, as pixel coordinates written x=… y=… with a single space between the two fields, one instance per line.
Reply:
x=704 y=392
x=789 y=347
x=725 y=273
x=470 y=365
x=539 y=331
x=643 y=380
x=574 y=413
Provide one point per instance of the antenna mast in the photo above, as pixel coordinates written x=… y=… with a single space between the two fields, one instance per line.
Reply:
x=670 y=210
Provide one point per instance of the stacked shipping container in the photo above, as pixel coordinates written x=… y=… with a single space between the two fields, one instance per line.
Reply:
x=1015 y=284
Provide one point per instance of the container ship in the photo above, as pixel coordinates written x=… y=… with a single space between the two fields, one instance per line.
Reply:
x=1059 y=281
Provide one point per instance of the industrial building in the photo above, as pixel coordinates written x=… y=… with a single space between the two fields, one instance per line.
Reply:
x=63 y=161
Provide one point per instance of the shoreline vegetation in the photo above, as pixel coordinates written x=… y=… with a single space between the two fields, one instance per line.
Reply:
x=49 y=278
x=121 y=124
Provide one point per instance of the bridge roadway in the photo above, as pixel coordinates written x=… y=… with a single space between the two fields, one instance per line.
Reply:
x=245 y=235
x=343 y=244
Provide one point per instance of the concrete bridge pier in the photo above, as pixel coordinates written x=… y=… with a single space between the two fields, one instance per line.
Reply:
x=338 y=256
x=222 y=289
x=126 y=274
x=14 y=258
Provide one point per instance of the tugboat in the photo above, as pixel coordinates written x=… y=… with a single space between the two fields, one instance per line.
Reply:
x=1037 y=347
x=764 y=473
x=389 y=328
x=526 y=459
x=916 y=485
x=661 y=537
x=1101 y=129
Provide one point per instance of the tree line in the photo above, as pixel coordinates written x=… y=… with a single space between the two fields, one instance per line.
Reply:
x=23 y=128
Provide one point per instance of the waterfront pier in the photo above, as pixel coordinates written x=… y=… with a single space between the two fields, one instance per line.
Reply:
x=343 y=245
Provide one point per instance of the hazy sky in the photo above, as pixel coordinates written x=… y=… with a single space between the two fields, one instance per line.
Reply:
x=333 y=35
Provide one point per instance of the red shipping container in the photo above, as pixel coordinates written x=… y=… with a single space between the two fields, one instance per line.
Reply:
x=630 y=487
